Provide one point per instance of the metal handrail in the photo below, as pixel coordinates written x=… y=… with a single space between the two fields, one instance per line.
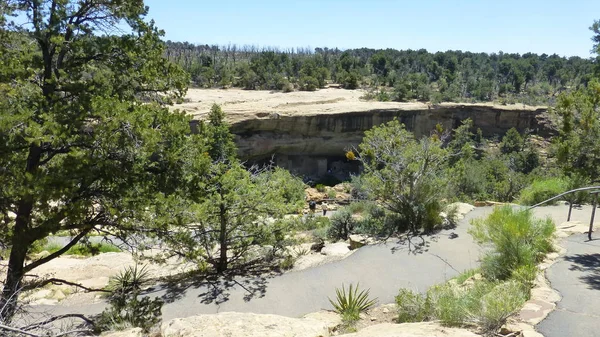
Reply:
x=595 y=190
x=565 y=193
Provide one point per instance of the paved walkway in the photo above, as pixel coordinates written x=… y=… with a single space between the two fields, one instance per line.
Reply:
x=576 y=276
x=383 y=268
x=388 y=267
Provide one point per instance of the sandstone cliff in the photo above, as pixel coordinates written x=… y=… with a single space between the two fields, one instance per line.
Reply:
x=309 y=132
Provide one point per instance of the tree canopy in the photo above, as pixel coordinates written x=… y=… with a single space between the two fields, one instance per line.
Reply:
x=410 y=74
x=86 y=142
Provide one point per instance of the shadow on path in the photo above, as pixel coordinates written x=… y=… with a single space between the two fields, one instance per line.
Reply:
x=252 y=278
x=589 y=264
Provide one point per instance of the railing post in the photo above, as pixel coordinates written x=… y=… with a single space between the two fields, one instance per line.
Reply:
x=594 y=204
x=570 y=209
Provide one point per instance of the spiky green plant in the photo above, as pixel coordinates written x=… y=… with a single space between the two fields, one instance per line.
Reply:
x=351 y=303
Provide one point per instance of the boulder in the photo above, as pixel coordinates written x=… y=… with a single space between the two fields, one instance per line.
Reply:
x=244 y=324
x=335 y=249
x=318 y=246
x=358 y=240
x=461 y=209
x=424 y=329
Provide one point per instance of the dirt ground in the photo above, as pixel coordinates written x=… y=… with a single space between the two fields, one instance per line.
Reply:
x=241 y=104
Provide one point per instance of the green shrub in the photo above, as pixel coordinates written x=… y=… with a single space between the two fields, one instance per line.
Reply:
x=308 y=83
x=126 y=307
x=320 y=187
x=516 y=239
x=351 y=303
x=412 y=306
x=500 y=303
x=321 y=233
x=83 y=249
x=287 y=263
x=331 y=194
x=383 y=96
x=287 y=86
x=342 y=225
x=512 y=141
x=486 y=304
x=358 y=207
x=542 y=189
x=311 y=222
x=462 y=277
x=451 y=304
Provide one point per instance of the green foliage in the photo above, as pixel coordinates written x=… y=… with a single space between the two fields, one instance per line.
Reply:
x=542 y=189
x=412 y=306
x=307 y=223
x=406 y=173
x=308 y=83
x=462 y=277
x=86 y=138
x=576 y=147
x=515 y=243
x=331 y=194
x=351 y=303
x=321 y=188
x=342 y=225
x=443 y=76
x=87 y=249
x=504 y=300
x=483 y=303
x=515 y=239
x=235 y=208
x=126 y=308
x=287 y=263
x=512 y=141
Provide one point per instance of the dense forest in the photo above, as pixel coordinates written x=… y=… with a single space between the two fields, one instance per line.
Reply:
x=389 y=74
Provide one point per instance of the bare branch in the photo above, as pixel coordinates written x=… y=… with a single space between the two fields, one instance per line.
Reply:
x=58 y=253
x=57 y=281
x=57 y=318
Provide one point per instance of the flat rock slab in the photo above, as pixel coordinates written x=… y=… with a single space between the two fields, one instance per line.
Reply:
x=336 y=249
x=228 y=324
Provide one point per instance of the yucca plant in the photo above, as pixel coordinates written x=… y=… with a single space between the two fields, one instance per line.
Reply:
x=349 y=304
x=127 y=308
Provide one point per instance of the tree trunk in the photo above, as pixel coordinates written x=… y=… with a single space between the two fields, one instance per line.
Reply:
x=12 y=286
x=21 y=241
x=222 y=264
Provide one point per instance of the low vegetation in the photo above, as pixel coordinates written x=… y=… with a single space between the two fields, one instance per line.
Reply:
x=541 y=190
x=515 y=242
x=127 y=308
x=389 y=75
x=88 y=145
x=351 y=302
x=81 y=249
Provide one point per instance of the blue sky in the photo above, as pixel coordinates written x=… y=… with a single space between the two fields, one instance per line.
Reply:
x=550 y=26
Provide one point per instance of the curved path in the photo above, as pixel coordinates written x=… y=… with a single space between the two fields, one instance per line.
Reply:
x=384 y=268
x=576 y=276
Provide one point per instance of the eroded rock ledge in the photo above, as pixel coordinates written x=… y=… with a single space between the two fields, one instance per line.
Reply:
x=309 y=132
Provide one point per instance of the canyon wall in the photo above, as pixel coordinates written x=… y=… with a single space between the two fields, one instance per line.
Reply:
x=312 y=144
x=309 y=132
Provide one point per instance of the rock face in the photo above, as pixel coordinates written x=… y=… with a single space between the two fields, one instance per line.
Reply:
x=244 y=324
x=309 y=132
x=316 y=144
